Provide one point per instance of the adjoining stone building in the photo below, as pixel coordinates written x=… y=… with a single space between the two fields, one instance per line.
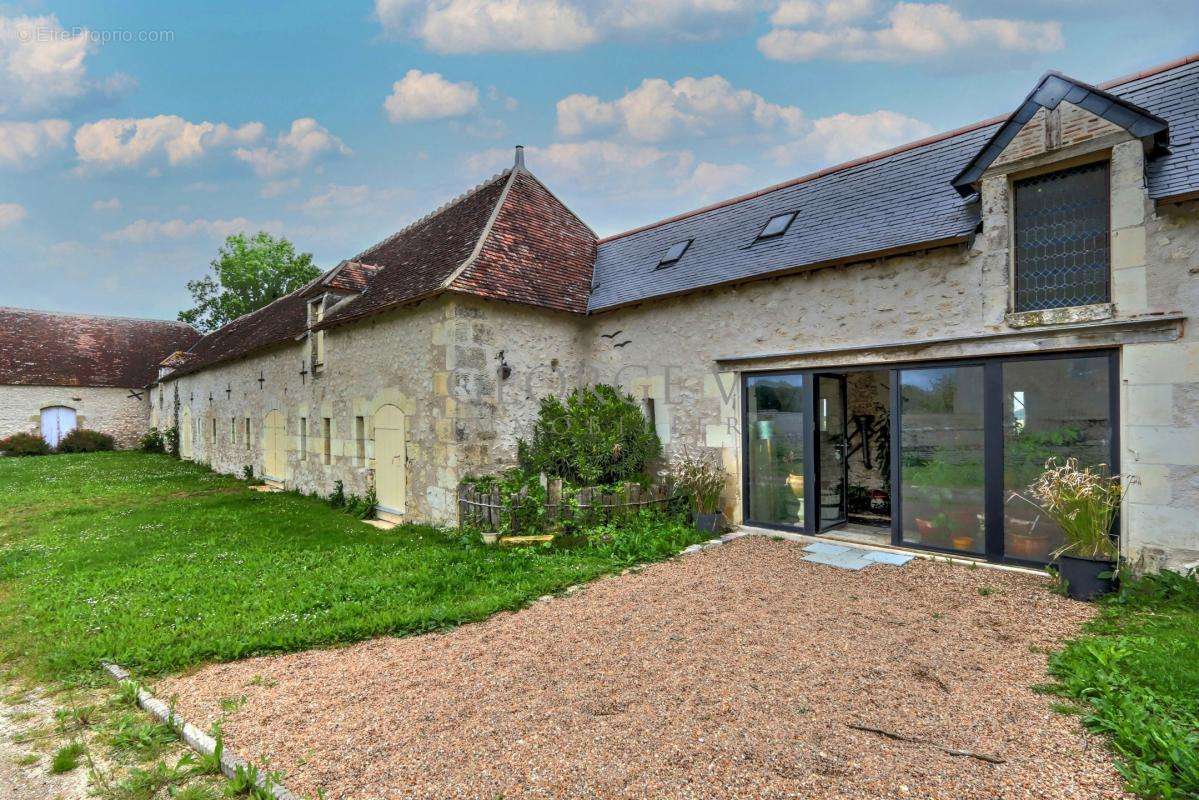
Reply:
x=64 y=371
x=887 y=349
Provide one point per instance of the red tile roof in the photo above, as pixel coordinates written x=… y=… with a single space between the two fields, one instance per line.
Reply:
x=43 y=348
x=507 y=239
x=537 y=252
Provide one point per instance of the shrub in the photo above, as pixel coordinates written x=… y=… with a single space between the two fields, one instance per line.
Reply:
x=24 y=444
x=701 y=478
x=597 y=436
x=171 y=437
x=153 y=441
x=82 y=440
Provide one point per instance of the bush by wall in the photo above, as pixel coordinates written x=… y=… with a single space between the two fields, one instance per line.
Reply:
x=153 y=441
x=596 y=437
x=24 y=444
x=82 y=440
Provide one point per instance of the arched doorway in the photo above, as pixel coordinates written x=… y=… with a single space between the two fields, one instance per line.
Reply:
x=390 y=462
x=57 y=422
x=185 y=433
x=274 y=447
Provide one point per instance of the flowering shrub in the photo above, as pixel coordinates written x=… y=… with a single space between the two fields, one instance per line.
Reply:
x=1084 y=503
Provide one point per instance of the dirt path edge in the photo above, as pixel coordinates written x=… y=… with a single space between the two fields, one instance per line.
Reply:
x=195 y=738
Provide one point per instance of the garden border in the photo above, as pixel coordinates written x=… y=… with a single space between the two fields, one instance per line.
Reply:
x=192 y=736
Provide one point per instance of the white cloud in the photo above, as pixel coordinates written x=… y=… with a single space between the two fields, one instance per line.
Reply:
x=427 y=95
x=11 y=214
x=144 y=230
x=616 y=169
x=657 y=110
x=307 y=141
x=842 y=137
x=909 y=32
x=828 y=12
x=43 y=65
x=336 y=197
x=129 y=142
x=23 y=142
x=474 y=26
x=111 y=204
x=279 y=188
x=709 y=181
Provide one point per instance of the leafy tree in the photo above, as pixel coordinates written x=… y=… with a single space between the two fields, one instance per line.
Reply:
x=248 y=273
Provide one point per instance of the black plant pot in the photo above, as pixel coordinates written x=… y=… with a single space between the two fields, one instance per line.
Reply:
x=708 y=523
x=1083 y=577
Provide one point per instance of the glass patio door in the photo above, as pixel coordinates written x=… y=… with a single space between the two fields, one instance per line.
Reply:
x=942 y=448
x=831 y=450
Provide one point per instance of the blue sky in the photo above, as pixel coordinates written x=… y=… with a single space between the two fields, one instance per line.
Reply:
x=135 y=136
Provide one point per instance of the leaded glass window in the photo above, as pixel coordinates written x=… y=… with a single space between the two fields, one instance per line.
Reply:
x=1062 y=239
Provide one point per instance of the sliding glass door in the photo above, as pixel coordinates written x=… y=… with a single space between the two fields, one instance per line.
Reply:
x=967 y=439
x=774 y=454
x=1052 y=408
x=941 y=483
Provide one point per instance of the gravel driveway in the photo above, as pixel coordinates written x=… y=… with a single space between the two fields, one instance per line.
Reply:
x=732 y=673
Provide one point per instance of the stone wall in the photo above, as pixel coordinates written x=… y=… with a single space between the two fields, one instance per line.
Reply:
x=437 y=362
x=110 y=411
x=442 y=362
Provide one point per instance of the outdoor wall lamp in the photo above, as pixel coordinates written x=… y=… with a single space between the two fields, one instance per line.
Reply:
x=504 y=370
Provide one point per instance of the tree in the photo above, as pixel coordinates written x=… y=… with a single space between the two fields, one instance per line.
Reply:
x=248 y=273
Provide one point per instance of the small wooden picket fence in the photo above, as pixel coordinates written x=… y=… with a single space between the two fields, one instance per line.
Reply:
x=485 y=510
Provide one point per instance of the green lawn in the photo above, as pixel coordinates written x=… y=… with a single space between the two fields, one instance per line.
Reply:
x=160 y=565
x=1135 y=677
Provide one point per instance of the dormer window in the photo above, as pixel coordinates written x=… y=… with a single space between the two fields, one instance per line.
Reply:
x=674 y=253
x=777 y=226
x=1062 y=239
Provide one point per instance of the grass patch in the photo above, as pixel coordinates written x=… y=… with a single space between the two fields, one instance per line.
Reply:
x=1135 y=677
x=160 y=564
x=66 y=758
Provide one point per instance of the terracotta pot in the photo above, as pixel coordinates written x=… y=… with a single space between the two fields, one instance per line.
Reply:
x=963 y=542
x=1029 y=548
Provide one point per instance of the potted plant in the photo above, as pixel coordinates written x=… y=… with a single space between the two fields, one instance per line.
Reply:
x=701 y=478
x=1084 y=503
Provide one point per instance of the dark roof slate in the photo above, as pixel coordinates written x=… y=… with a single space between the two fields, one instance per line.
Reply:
x=43 y=348
x=896 y=201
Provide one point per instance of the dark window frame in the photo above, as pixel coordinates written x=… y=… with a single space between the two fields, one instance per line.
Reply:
x=666 y=261
x=1022 y=299
x=766 y=237
x=993 y=437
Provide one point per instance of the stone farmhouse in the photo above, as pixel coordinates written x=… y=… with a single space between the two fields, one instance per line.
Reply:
x=886 y=350
x=59 y=372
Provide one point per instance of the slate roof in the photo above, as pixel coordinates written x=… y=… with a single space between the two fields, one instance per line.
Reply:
x=43 y=348
x=507 y=239
x=903 y=199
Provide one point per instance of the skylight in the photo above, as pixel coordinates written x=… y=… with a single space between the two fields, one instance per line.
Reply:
x=777 y=225
x=674 y=253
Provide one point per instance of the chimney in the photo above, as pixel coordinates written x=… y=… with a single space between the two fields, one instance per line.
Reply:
x=520 y=157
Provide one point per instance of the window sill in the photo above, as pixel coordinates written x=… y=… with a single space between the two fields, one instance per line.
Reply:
x=1060 y=316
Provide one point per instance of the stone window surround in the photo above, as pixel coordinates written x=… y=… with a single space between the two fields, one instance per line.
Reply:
x=1099 y=149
